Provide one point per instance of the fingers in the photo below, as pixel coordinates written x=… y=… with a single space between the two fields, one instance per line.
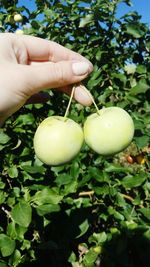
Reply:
x=54 y=75
x=80 y=95
x=43 y=50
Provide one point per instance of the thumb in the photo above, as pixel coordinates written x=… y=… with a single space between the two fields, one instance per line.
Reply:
x=54 y=75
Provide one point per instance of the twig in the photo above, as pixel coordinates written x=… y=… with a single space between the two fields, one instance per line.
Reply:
x=87 y=193
x=128 y=197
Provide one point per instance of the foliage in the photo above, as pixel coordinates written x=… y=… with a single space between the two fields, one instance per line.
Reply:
x=93 y=211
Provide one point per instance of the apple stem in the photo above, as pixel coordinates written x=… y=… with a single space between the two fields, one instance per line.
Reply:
x=89 y=94
x=71 y=96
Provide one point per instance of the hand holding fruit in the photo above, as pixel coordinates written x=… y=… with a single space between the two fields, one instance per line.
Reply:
x=33 y=64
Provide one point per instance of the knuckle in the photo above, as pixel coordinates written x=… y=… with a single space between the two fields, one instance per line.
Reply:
x=60 y=74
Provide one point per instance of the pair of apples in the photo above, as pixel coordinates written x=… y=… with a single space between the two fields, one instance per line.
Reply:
x=58 y=139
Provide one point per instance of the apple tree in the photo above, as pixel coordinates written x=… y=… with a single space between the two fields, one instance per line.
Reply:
x=94 y=210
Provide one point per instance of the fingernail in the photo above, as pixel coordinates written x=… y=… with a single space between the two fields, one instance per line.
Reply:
x=80 y=68
x=82 y=96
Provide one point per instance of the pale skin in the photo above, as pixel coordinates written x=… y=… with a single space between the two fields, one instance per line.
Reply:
x=29 y=65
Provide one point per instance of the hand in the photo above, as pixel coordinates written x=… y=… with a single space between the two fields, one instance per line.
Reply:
x=30 y=64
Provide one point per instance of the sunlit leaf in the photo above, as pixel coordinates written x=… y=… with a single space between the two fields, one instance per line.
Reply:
x=7 y=245
x=83 y=228
x=134 y=30
x=133 y=181
x=46 y=196
x=22 y=213
x=4 y=138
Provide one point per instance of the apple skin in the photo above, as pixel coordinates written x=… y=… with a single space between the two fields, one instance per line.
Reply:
x=110 y=131
x=57 y=140
x=18 y=18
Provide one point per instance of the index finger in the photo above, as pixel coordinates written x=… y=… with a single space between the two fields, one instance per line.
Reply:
x=39 y=49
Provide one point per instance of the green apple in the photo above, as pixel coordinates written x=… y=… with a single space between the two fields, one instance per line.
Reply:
x=109 y=131
x=58 y=140
x=19 y=32
x=18 y=18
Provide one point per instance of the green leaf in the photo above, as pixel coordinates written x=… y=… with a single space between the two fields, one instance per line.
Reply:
x=120 y=200
x=2 y=196
x=25 y=119
x=86 y=20
x=147 y=234
x=75 y=170
x=47 y=208
x=22 y=213
x=16 y=231
x=133 y=181
x=95 y=173
x=16 y=258
x=141 y=69
x=63 y=179
x=145 y=212
x=140 y=88
x=4 y=138
x=70 y=188
x=98 y=238
x=7 y=245
x=120 y=77
x=46 y=196
x=35 y=24
x=102 y=190
x=33 y=169
x=90 y=258
x=117 y=215
x=72 y=259
x=57 y=169
x=92 y=83
x=13 y=171
x=2 y=184
x=84 y=226
x=116 y=168
x=2 y=264
x=142 y=141
x=134 y=30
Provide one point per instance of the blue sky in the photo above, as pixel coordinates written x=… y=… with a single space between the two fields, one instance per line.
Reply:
x=141 y=6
